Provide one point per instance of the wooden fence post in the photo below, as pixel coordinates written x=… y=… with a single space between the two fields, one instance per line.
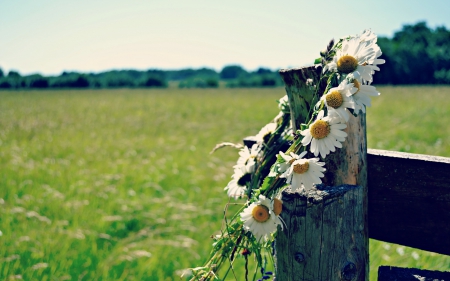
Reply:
x=326 y=234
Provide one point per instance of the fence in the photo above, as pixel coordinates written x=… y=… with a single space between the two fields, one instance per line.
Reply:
x=389 y=196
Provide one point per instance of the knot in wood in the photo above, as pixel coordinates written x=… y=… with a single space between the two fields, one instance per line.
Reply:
x=348 y=272
x=299 y=257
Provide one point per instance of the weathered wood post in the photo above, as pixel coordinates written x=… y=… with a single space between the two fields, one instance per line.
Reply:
x=326 y=233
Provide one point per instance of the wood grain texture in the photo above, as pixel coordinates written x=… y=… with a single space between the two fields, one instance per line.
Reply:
x=301 y=95
x=409 y=199
x=390 y=273
x=325 y=233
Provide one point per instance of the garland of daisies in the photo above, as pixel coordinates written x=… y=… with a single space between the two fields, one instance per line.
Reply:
x=277 y=159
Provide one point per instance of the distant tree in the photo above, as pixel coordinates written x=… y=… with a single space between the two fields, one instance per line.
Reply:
x=80 y=82
x=199 y=82
x=119 y=81
x=187 y=73
x=1 y=73
x=153 y=81
x=72 y=80
x=13 y=74
x=212 y=83
x=415 y=55
x=232 y=72
x=5 y=84
x=268 y=81
x=39 y=83
x=263 y=70
x=442 y=76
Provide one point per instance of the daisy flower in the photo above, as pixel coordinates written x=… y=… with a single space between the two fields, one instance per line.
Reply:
x=247 y=157
x=358 y=57
x=324 y=134
x=368 y=36
x=339 y=98
x=302 y=173
x=237 y=187
x=264 y=134
x=362 y=96
x=288 y=159
x=260 y=218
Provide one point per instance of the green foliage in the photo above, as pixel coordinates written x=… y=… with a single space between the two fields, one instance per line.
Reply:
x=13 y=74
x=72 y=80
x=232 y=72
x=154 y=81
x=120 y=185
x=199 y=82
x=5 y=83
x=415 y=55
x=184 y=74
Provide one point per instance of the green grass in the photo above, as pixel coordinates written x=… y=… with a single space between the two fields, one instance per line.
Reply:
x=120 y=185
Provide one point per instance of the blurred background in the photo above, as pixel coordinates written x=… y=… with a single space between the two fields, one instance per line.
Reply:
x=109 y=109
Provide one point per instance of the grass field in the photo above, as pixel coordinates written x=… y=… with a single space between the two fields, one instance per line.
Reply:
x=120 y=185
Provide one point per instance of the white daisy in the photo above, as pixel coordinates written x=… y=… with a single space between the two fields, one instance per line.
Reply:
x=362 y=96
x=247 y=157
x=288 y=159
x=265 y=132
x=324 y=134
x=260 y=219
x=237 y=187
x=358 y=57
x=368 y=37
x=340 y=98
x=303 y=173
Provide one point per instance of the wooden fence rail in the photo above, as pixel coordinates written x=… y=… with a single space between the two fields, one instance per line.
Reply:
x=409 y=199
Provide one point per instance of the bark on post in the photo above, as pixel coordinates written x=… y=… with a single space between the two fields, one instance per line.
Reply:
x=326 y=233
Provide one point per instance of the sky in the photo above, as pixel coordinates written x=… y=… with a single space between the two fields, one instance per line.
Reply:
x=52 y=36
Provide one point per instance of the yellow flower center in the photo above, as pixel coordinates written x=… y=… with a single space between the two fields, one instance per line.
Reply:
x=260 y=213
x=357 y=85
x=277 y=206
x=301 y=168
x=334 y=99
x=320 y=129
x=347 y=64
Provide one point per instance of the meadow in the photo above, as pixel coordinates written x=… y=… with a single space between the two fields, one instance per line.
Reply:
x=121 y=185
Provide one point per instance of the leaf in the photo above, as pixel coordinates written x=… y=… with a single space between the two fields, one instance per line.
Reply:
x=318 y=61
x=266 y=183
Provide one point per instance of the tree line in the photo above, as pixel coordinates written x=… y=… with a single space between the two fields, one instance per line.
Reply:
x=229 y=76
x=414 y=55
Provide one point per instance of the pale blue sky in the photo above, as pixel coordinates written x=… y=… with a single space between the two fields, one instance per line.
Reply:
x=49 y=36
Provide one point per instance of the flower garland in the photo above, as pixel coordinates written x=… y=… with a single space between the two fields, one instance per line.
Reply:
x=276 y=160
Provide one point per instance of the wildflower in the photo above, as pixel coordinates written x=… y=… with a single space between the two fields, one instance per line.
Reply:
x=362 y=95
x=338 y=99
x=324 y=134
x=247 y=157
x=237 y=187
x=303 y=173
x=265 y=133
x=260 y=219
x=358 y=57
